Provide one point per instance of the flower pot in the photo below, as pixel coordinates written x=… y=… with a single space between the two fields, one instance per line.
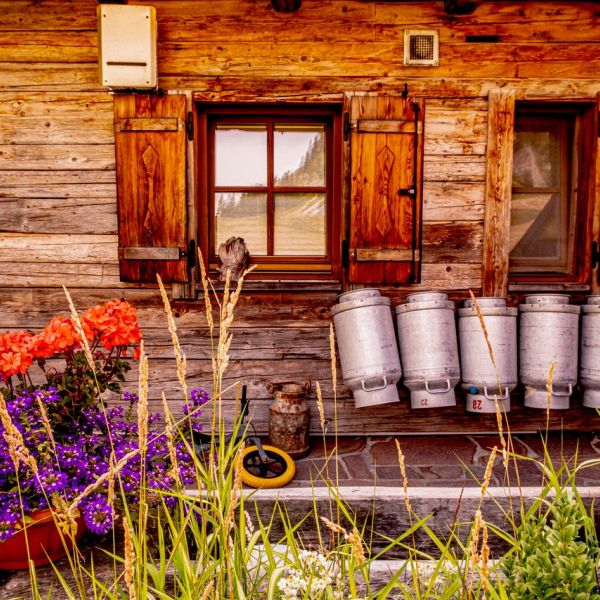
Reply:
x=44 y=539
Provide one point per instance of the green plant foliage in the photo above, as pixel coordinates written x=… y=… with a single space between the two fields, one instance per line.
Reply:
x=555 y=555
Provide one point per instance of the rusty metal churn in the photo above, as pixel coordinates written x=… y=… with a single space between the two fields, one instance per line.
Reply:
x=548 y=332
x=289 y=417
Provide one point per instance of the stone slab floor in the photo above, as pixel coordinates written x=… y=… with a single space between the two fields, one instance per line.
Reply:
x=445 y=461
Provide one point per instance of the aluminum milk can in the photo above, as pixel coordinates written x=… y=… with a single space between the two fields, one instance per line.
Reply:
x=289 y=417
x=548 y=332
x=429 y=349
x=485 y=384
x=367 y=346
x=589 y=370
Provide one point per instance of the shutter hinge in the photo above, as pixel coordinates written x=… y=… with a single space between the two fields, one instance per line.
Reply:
x=595 y=255
x=189 y=126
x=346 y=126
x=189 y=253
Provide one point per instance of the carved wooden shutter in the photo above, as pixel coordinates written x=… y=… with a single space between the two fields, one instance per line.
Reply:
x=386 y=148
x=150 y=144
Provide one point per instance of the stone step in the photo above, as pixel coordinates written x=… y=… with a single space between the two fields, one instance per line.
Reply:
x=447 y=512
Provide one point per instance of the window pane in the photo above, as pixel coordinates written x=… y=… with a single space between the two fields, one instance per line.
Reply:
x=299 y=155
x=300 y=224
x=536 y=159
x=539 y=233
x=241 y=155
x=242 y=215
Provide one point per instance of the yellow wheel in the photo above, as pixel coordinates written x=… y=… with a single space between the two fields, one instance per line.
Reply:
x=278 y=470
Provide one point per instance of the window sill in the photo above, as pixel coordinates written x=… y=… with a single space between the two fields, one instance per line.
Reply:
x=270 y=285
x=548 y=287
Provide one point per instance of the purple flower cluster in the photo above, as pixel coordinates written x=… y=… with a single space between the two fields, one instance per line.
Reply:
x=192 y=408
x=77 y=456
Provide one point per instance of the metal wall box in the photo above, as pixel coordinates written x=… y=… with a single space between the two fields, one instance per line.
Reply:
x=127 y=46
x=421 y=48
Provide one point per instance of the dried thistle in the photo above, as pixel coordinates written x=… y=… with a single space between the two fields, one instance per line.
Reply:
x=129 y=552
x=180 y=359
x=402 y=464
x=238 y=465
x=473 y=554
x=356 y=543
x=488 y=471
x=207 y=302
x=501 y=433
x=484 y=557
x=66 y=523
x=111 y=483
x=483 y=328
x=16 y=445
x=174 y=471
x=208 y=591
x=80 y=332
x=549 y=380
x=333 y=358
x=249 y=524
x=142 y=406
x=100 y=481
x=334 y=527
x=321 y=409
x=46 y=423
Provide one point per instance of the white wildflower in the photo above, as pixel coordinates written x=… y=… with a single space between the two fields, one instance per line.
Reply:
x=311 y=578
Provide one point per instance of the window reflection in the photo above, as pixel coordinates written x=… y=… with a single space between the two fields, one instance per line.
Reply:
x=299 y=156
x=240 y=155
x=300 y=224
x=242 y=215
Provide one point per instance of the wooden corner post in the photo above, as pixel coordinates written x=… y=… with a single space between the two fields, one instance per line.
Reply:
x=496 y=236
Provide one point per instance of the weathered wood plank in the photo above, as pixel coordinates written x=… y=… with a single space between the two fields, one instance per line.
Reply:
x=455 y=131
x=49 y=76
x=452 y=242
x=57 y=274
x=74 y=215
x=327 y=59
x=442 y=201
x=45 y=192
x=88 y=183
x=57 y=130
x=498 y=189
x=25 y=15
x=46 y=46
x=454 y=168
x=66 y=248
x=254 y=310
x=57 y=104
x=451 y=277
x=37 y=157
x=493 y=12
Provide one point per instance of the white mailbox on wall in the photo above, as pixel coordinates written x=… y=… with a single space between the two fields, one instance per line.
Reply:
x=127 y=46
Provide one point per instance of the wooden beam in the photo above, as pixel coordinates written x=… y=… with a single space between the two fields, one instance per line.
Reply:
x=496 y=236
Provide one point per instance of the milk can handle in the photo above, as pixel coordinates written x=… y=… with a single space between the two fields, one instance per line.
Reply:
x=569 y=387
x=505 y=396
x=441 y=390
x=374 y=388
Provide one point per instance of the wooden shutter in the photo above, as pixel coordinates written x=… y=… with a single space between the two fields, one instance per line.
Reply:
x=150 y=144
x=386 y=149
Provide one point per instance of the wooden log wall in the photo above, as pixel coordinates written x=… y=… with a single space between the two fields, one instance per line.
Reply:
x=58 y=220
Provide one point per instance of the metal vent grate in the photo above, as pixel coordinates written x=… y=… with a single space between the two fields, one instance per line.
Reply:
x=421 y=48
